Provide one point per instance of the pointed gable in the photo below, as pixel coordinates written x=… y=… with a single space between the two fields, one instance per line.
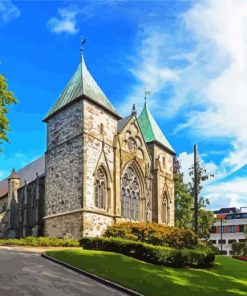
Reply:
x=150 y=129
x=82 y=83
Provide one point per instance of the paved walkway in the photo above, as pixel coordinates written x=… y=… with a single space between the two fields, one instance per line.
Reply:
x=23 y=272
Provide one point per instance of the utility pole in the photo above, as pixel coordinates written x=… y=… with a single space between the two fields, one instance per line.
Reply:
x=221 y=235
x=196 y=192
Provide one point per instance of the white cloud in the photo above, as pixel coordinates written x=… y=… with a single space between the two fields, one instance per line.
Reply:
x=187 y=160
x=228 y=194
x=8 y=11
x=149 y=69
x=220 y=32
x=66 y=22
x=207 y=81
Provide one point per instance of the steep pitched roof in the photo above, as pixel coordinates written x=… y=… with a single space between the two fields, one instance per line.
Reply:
x=151 y=130
x=82 y=83
x=122 y=123
x=27 y=173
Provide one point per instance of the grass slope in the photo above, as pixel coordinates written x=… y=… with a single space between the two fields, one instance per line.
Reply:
x=227 y=277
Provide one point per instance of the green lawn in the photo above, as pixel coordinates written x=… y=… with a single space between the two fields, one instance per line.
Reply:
x=227 y=277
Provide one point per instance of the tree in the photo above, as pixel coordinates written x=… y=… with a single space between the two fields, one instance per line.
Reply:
x=205 y=222
x=184 y=201
x=6 y=99
x=202 y=176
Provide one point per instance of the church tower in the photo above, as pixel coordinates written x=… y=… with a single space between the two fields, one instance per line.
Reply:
x=162 y=155
x=80 y=131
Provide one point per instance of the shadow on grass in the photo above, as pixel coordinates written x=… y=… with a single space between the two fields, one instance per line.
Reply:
x=226 y=277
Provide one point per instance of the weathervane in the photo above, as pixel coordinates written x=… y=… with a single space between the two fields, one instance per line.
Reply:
x=146 y=92
x=82 y=42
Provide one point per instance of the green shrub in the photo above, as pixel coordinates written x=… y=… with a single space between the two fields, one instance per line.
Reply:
x=239 y=249
x=40 y=241
x=151 y=233
x=151 y=253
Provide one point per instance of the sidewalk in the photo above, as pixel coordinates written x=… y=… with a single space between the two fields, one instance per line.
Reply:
x=37 y=249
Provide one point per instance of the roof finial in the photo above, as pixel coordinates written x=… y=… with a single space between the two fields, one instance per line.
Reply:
x=146 y=93
x=82 y=42
x=133 y=112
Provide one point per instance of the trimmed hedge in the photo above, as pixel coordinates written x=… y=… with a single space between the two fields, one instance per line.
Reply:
x=40 y=241
x=150 y=253
x=152 y=233
x=239 y=249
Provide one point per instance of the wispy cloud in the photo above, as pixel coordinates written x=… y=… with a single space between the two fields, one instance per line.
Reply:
x=66 y=22
x=8 y=11
x=187 y=161
x=199 y=73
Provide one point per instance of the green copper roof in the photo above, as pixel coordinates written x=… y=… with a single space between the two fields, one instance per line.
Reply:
x=82 y=83
x=151 y=130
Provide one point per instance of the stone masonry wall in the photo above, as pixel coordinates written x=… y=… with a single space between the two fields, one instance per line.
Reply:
x=64 y=226
x=3 y=203
x=95 y=224
x=99 y=127
x=64 y=161
x=163 y=165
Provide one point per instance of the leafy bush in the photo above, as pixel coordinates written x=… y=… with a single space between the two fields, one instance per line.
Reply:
x=239 y=249
x=151 y=233
x=150 y=253
x=40 y=241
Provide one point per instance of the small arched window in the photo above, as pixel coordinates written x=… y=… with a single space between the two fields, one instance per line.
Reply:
x=100 y=189
x=165 y=209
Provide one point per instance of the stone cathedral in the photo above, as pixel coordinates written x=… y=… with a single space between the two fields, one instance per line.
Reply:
x=98 y=169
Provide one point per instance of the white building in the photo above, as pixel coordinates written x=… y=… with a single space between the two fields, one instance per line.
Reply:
x=229 y=228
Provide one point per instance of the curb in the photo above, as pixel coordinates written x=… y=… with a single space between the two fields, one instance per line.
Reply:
x=93 y=276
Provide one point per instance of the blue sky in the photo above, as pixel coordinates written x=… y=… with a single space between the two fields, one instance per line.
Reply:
x=190 y=54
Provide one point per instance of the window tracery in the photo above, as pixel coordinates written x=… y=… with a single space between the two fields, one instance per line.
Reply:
x=130 y=195
x=100 y=189
x=132 y=145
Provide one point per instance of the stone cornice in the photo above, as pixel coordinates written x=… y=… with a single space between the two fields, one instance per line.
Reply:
x=85 y=210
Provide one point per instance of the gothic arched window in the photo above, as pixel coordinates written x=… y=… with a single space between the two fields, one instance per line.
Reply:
x=130 y=195
x=100 y=189
x=165 y=209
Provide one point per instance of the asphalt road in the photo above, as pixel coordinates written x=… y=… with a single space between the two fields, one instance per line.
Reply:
x=23 y=273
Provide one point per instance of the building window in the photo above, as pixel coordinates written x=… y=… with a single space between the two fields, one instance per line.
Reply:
x=100 y=189
x=213 y=242
x=165 y=209
x=242 y=240
x=223 y=228
x=223 y=241
x=130 y=195
x=232 y=228
x=231 y=241
x=241 y=228
x=102 y=128
x=164 y=162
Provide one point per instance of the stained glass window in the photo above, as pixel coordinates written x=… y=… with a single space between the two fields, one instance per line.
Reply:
x=130 y=195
